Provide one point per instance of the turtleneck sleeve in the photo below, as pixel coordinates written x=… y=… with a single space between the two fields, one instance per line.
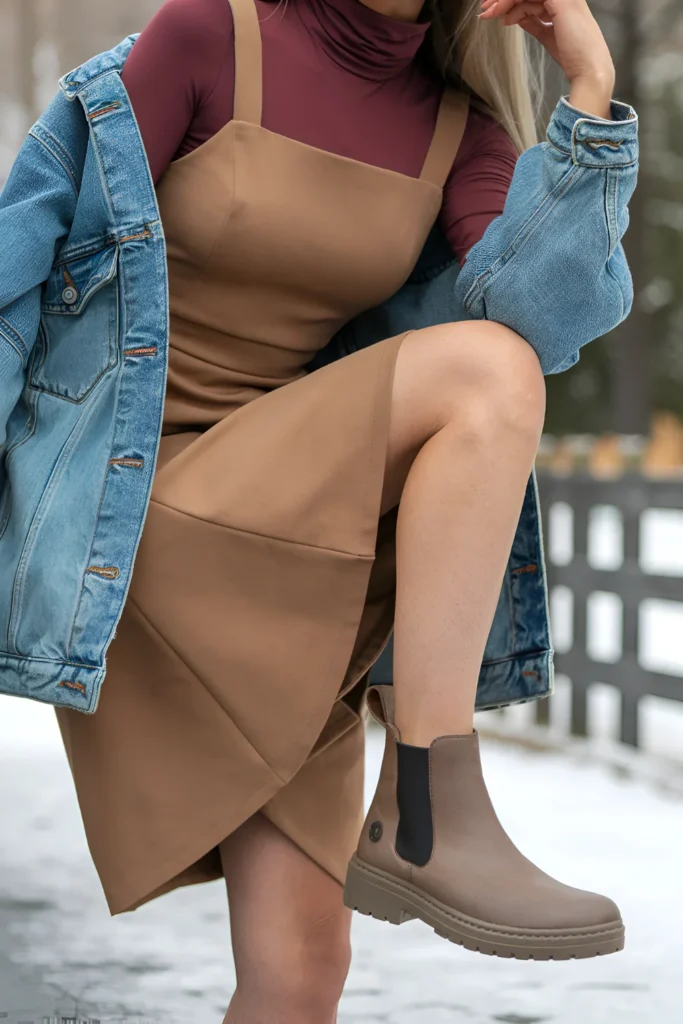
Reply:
x=179 y=77
x=478 y=184
x=337 y=76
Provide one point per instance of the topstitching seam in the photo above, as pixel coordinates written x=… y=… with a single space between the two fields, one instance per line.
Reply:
x=264 y=536
x=189 y=668
x=211 y=362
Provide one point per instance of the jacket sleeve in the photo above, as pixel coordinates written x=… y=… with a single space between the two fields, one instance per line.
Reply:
x=552 y=266
x=36 y=209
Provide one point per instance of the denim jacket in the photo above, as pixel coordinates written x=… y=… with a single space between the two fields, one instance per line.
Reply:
x=84 y=353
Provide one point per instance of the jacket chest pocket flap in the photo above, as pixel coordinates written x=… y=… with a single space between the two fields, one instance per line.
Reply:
x=79 y=326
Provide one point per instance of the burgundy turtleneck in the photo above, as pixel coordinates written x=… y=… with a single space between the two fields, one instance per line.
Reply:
x=337 y=75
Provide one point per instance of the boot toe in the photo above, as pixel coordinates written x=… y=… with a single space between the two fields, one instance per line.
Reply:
x=579 y=908
x=597 y=910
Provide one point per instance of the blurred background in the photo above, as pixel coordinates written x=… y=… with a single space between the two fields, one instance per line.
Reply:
x=589 y=783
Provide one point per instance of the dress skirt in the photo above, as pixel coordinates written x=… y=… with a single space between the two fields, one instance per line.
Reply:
x=263 y=591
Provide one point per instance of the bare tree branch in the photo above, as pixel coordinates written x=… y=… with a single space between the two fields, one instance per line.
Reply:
x=28 y=37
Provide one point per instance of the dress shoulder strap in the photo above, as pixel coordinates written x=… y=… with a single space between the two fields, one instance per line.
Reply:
x=448 y=132
x=248 y=102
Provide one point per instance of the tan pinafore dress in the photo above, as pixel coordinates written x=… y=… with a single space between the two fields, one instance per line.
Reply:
x=264 y=583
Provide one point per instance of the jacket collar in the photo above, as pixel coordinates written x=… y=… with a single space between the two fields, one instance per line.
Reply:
x=104 y=63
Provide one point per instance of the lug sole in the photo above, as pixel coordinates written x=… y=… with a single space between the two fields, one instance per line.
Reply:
x=377 y=894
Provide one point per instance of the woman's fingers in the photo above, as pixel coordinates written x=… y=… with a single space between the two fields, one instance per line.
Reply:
x=528 y=9
x=498 y=7
x=495 y=8
x=566 y=28
x=511 y=12
x=543 y=32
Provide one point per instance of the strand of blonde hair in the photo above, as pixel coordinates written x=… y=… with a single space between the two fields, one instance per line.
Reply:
x=501 y=65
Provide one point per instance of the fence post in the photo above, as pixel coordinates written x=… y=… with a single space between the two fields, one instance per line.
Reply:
x=579 y=703
x=631 y=513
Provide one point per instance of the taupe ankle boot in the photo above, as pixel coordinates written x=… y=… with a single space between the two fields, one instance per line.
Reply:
x=433 y=848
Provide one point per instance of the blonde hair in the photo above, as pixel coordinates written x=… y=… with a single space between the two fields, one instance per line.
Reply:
x=501 y=66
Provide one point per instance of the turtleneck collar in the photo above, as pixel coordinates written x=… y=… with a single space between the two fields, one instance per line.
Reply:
x=364 y=42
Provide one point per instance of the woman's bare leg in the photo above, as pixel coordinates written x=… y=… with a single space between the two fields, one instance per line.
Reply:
x=466 y=419
x=467 y=415
x=290 y=930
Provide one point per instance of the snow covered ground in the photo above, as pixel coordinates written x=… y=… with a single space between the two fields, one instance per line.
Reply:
x=170 y=961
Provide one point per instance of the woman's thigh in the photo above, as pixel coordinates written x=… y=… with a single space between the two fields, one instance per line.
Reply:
x=290 y=929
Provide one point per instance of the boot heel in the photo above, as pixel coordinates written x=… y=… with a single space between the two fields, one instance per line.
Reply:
x=365 y=893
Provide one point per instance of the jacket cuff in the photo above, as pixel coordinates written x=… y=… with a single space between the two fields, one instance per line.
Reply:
x=592 y=141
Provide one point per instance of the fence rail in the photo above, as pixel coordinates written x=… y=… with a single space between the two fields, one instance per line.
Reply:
x=631 y=494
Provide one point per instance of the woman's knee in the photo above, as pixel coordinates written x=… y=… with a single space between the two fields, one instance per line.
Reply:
x=481 y=376
x=290 y=928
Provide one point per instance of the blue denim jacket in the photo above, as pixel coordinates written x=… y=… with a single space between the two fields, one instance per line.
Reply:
x=84 y=353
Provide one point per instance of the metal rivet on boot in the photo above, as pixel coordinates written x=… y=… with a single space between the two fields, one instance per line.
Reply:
x=376 y=831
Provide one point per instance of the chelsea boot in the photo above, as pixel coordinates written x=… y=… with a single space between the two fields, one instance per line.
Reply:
x=432 y=848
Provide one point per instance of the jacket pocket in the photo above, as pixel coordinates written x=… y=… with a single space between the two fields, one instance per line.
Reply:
x=77 y=341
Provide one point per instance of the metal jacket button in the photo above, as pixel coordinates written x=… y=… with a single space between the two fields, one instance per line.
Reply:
x=69 y=296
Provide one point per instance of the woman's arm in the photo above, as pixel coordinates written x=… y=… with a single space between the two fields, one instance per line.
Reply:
x=552 y=267
x=170 y=75
x=478 y=184
x=37 y=206
x=568 y=30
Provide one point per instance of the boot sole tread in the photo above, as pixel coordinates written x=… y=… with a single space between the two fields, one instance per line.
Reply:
x=377 y=894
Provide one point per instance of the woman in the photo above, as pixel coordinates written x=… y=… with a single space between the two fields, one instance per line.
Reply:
x=302 y=154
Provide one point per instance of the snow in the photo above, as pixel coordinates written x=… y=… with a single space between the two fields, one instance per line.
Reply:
x=661 y=542
x=27 y=727
x=171 y=960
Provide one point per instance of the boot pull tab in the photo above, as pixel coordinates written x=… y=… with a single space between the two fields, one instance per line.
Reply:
x=381 y=707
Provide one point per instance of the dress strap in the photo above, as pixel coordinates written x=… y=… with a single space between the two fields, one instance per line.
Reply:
x=248 y=101
x=450 y=128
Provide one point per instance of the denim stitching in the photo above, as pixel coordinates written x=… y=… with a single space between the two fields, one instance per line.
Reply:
x=58 y=153
x=13 y=338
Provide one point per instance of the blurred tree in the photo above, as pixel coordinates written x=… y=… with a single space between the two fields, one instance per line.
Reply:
x=100 y=25
x=76 y=28
x=27 y=33
x=663 y=296
x=630 y=347
x=621 y=378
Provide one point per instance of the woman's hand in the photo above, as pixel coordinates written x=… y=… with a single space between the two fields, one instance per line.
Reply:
x=572 y=37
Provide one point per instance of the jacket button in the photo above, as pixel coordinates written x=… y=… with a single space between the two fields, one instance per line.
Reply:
x=70 y=296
